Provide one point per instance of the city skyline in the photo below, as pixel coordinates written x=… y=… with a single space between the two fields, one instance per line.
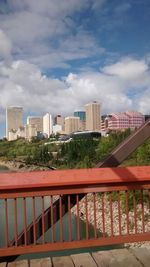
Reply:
x=60 y=57
x=89 y=120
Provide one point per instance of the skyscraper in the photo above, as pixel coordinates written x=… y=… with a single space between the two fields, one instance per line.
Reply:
x=80 y=114
x=47 y=124
x=36 y=121
x=72 y=124
x=59 y=120
x=30 y=131
x=14 y=119
x=93 y=117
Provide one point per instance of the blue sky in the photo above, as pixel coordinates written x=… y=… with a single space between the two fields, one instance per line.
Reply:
x=56 y=56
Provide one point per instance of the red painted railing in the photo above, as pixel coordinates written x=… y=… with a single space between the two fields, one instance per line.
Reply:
x=115 y=201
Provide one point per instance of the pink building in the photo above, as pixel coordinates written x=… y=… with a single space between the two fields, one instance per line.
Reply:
x=123 y=120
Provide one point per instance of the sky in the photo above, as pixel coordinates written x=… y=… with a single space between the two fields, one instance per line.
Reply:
x=56 y=56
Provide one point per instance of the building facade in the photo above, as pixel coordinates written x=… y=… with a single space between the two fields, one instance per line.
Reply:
x=36 y=121
x=59 y=120
x=93 y=116
x=123 y=120
x=14 y=119
x=72 y=124
x=30 y=131
x=80 y=114
x=47 y=124
x=57 y=129
x=15 y=134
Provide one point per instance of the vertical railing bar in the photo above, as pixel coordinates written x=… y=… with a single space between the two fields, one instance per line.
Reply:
x=127 y=212
x=6 y=222
x=95 y=225
x=25 y=221
x=149 y=198
x=43 y=226
x=134 y=203
x=142 y=204
x=86 y=211
x=34 y=218
x=52 y=218
x=15 y=220
x=78 y=218
x=69 y=219
x=119 y=213
x=111 y=213
x=103 y=214
x=60 y=221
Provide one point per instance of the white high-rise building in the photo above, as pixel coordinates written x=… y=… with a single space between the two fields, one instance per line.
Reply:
x=93 y=116
x=14 y=119
x=47 y=124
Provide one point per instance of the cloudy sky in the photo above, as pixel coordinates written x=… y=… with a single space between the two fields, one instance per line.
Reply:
x=56 y=56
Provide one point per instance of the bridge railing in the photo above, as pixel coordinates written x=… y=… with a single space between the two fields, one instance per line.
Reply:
x=101 y=206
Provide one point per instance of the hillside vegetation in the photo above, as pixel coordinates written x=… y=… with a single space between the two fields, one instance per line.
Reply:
x=79 y=153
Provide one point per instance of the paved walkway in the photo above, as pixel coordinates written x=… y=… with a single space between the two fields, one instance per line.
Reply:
x=136 y=257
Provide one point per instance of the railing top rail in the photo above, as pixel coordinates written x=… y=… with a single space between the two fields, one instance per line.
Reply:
x=38 y=179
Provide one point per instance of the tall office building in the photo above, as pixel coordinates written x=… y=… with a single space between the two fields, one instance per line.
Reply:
x=93 y=116
x=80 y=114
x=30 y=131
x=36 y=121
x=14 y=119
x=72 y=124
x=47 y=124
x=59 y=120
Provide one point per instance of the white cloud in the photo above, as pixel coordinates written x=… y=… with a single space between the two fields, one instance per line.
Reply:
x=46 y=29
x=144 y=101
x=5 y=45
x=79 y=46
x=23 y=84
x=48 y=6
x=127 y=68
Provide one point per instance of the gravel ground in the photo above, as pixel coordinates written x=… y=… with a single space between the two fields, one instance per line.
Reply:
x=115 y=217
